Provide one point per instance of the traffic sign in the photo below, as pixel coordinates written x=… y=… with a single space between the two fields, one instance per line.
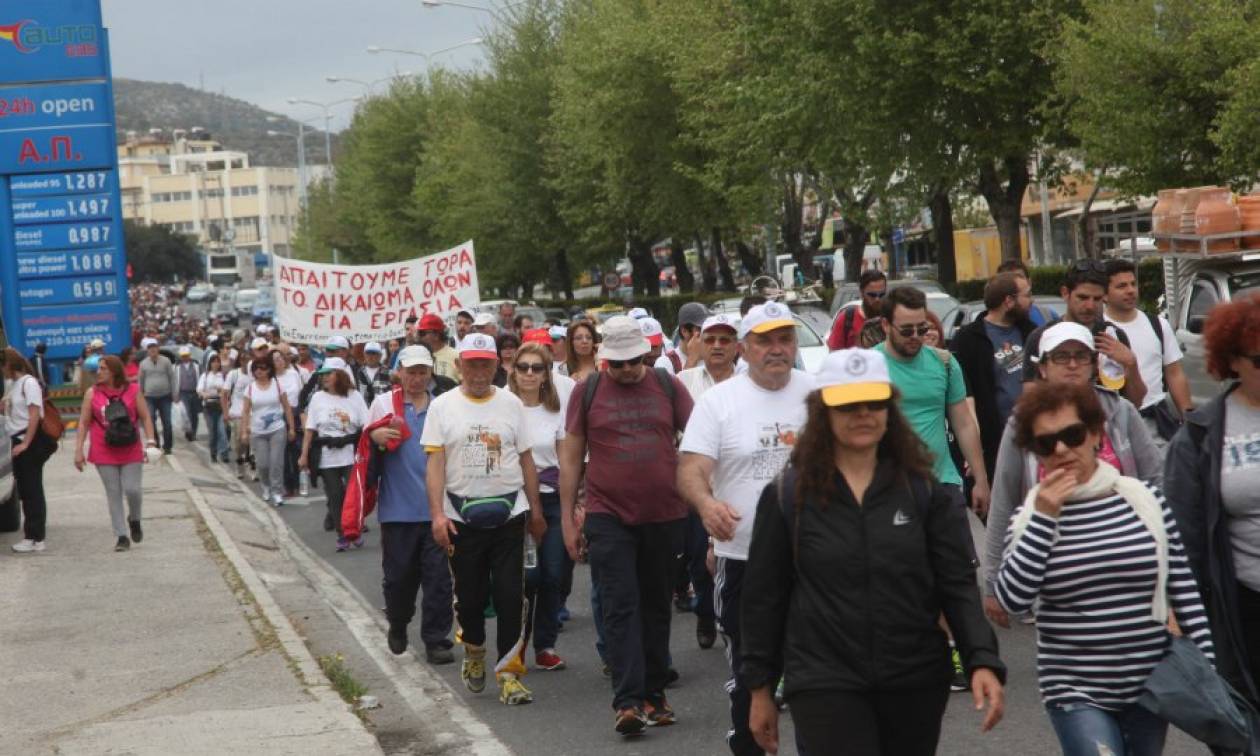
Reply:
x=612 y=281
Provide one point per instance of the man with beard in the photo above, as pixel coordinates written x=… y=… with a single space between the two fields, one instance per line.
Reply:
x=990 y=352
x=845 y=330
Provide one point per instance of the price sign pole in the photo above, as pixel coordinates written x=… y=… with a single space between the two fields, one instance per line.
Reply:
x=62 y=265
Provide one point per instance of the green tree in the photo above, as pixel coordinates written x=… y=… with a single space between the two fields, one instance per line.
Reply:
x=156 y=253
x=1155 y=90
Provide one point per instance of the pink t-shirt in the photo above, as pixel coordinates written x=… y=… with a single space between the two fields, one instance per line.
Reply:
x=101 y=453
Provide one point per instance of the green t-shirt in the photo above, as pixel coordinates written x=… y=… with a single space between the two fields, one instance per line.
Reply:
x=926 y=390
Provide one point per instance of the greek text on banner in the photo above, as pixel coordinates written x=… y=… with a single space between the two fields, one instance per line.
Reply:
x=371 y=302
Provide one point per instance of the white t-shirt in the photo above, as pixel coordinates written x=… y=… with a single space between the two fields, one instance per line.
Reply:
x=750 y=432
x=482 y=441
x=546 y=428
x=291 y=383
x=266 y=413
x=336 y=416
x=697 y=381
x=238 y=379
x=1145 y=346
x=210 y=384
x=24 y=394
x=664 y=362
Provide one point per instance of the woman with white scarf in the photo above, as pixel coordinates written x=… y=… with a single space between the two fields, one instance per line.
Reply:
x=1102 y=553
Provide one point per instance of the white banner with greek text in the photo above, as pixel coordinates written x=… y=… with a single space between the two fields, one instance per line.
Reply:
x=371 y=302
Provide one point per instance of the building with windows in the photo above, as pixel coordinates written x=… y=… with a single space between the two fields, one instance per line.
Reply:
x=239 y=214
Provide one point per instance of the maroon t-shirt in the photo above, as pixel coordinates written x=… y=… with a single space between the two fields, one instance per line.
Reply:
x=630 y=438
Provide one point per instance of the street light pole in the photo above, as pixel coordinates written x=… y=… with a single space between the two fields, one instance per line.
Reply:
x=303 y=196
x=455 y=4
x=428 y=56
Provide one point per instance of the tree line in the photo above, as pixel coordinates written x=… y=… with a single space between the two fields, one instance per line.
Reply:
x=597 y=128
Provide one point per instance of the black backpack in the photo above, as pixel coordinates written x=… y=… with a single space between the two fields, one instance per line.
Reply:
x=120 y=429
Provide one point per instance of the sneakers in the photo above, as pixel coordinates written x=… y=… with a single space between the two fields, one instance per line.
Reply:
x=629 y=721
x=778 y=695
x=671 y=677
x=27 y=546
x=512 y=692
x=277 y=500
x=658 y=714
x=548 y=660
x=124 y=544
x=397 y=637
x=137 y=533
x=473 y=670
x=342 y=544
x=959 y=683
x=706 y=632
x=438 y=655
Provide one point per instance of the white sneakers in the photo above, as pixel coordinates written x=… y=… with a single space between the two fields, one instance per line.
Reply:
x=26 y=546
x=277 y=500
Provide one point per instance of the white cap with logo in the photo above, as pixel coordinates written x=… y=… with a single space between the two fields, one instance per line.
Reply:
x=414 y=355
x=478 y=346
x=848 y=376
x=766 y=317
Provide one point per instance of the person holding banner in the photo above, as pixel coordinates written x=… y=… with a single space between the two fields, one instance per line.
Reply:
x=483 y=491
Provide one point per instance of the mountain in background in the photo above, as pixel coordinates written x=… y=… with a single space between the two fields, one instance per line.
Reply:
x=238 y=125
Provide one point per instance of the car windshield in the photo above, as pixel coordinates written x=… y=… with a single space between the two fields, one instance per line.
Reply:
x=941 y=305
x=805 y=336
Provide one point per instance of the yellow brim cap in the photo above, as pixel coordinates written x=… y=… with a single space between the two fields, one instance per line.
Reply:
x=848 y=393
x=772 y=325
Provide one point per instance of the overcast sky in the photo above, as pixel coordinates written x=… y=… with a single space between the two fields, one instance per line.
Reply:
x=266 y=51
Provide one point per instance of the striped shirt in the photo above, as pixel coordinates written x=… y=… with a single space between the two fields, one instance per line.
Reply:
x=1094 y=569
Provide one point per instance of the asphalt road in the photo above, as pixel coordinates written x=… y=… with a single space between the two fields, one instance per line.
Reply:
x=572 y=714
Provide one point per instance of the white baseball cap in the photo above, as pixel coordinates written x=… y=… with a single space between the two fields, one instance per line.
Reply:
x=484 y=319
x=720 y=321
x=97 y=344
x=766 y=317
x=638 y=313
x=623 y=339
x=1060 y=333
x=147 y=342
x=559 y=332
x=337 y=342
x=847 y=376
x=258 y=343
x=263 y=329
x=651 y=328
x=374 y=347
x=478 y=346
x=185 y=349
x=413 y=355
x=331 y=364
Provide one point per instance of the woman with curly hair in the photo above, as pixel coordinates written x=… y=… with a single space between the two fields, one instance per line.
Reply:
x=1212 y=481
x=856 y=551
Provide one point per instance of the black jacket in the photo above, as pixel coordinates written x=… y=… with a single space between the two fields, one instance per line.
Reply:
x=1192 y=488
x=975 y=356
x=858 y=609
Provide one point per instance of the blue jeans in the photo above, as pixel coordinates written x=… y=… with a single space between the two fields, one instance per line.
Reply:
x=1084 y=729
x=218 y=440
x=160 y=409
x=543 y=584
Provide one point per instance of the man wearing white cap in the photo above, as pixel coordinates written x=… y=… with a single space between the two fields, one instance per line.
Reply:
x=373 y=377
x=158 y=383
x=485 y=323
x=483 y=493
x=410 y=557
x=628 y=418
x=1068 y=355
x=739 y=438
x=655 y=335
x=187 y=375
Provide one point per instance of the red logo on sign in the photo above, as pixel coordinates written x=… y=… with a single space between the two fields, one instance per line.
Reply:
x=13 y=33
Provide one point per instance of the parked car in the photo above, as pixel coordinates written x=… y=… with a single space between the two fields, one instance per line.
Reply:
x=1213 y=282
x=200 y=293
x=245 y=299
x=264 y=309
x=848 y=292
x=557 y=314
x=224 y=307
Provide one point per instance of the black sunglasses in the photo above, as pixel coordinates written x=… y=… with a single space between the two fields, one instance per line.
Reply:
x=634 y=362
x=875 y=294
x=531 y=367
x=914 y=330
x=1072 y=437
x=852 y=407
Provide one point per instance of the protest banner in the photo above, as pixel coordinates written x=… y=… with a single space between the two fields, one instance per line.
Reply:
x=371 y=302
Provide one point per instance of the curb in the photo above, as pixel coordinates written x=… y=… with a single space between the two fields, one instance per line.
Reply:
x=427 y=694
x=317 y=682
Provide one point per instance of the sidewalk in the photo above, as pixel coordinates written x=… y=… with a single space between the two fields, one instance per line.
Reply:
x=175 y=647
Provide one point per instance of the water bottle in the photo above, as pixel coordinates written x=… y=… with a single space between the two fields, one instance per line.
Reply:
x=304 y=483
x=531 y=553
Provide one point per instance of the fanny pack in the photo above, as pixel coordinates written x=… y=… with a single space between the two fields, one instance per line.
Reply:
x=1167 y=418
x=483 y=512
x=336 y=442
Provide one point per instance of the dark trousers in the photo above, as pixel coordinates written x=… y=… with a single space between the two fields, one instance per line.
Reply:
x=634 y=565
x=335 y=480
x=486 y=561
x=292 y=451
x=870 y=722
x=1249 y=610
x=696 y=551
x=728 y=587
x=412 y=561
x=192 y=408
x=28 y=477
x=160 y=409
x=544 y=585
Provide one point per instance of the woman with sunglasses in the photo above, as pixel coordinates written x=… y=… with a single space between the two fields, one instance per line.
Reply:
x=1102 y=554
x=545 y=396
x=856 y=551
x=1212 y=481
x=582 y=340
x=1066 y=356
x=266 y=425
